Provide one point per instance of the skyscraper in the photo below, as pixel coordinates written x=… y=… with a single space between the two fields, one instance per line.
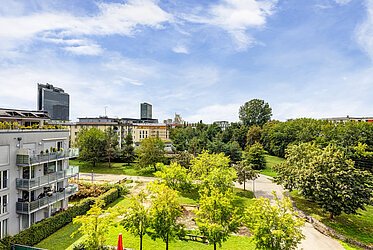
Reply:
x=146 y=111
x=53 y=100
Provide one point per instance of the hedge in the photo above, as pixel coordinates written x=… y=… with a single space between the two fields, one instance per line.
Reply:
x=41 y=230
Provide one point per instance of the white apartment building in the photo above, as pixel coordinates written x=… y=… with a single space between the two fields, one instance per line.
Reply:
x=34 y=171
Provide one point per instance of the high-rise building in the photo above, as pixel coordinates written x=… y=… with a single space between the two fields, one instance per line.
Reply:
x=146 y=111
x=53 y=100
x=34 y=170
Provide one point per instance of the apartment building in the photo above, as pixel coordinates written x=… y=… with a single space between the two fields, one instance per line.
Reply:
x=34 y=170
x=349 y=118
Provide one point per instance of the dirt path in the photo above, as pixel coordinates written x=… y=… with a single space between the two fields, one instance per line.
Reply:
x=314 y=239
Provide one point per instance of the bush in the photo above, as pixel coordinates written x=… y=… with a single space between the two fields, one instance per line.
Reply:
x=41 y=230
x=87 y=189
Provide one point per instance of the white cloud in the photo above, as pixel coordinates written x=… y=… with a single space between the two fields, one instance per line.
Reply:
x=216 y=112
x=342 y=2
x=180 y=49
x=236 y=17
x=113 y=18
x=87 y=50
x=364 y=32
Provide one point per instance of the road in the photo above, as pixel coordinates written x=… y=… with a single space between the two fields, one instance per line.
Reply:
x=314 y=239
x=263 y=188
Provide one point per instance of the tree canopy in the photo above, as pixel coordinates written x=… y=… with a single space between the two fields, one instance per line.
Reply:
x=255 y=112
x=150 y=152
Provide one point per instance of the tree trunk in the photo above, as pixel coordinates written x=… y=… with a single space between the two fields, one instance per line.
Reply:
x=167 y=242
x=331 y=216
x=140 y=242
x=244 y=181
x=214 y=246
x=155 y=167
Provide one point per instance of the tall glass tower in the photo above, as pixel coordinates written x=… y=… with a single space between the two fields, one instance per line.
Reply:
x=146 y=111
x=54 y=100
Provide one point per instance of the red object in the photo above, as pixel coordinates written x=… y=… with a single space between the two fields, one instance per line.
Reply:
x=120 y=242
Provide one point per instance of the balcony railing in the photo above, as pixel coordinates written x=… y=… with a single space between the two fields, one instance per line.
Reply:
x=40 y=181
x=25 y=158
x=29 y=207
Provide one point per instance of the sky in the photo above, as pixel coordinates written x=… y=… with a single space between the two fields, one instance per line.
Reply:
x=201 y=59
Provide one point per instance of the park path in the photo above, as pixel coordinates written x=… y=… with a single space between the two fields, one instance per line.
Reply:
x=314 y=239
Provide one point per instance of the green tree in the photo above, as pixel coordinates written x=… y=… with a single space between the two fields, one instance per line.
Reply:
x=183 y=158
x=245 y=172
x=327 y=177
x=216 y=217
x=255 y=112
x=175 y=177
x=136 y=216
x=111 y=143
x=150 y=152
x=254 y=157
x=91 y=143
x=204 y=163
x=253 y=135
x=128 y=150
x=274 y=227
x=164 y=212
x=95 y=226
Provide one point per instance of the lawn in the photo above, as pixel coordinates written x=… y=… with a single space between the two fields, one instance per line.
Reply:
x=271 y=161
x=61 y=239
x=355 y=226
x=116 y=168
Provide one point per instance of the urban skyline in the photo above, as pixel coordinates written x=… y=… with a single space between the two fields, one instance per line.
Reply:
x=305 y=58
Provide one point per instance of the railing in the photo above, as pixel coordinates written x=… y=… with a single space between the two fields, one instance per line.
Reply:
x=29 y=207
x=24 y=158
x=46 y=179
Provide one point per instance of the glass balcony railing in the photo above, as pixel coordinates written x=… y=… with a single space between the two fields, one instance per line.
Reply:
x=25 y=158
x=40 y=181
x=29 y=207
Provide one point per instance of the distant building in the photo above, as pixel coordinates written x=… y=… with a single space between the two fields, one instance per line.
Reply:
x=145 y=111
x=34 y=170
x=53 y=100
x=222 y=124
x=348 y=118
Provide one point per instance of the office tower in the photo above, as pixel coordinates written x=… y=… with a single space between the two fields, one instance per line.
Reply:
x=146 y=111
x=53 y=100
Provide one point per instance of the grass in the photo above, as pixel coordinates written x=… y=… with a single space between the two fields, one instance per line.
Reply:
x=61 y=239
x=116 y=168
x=271 y=161
x=356 y=226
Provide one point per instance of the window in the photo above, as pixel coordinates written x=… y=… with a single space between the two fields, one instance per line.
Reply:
x=4 y=232
x=4 y=179
x=5 y=204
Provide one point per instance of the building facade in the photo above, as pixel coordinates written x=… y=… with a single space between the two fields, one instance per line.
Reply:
x=34 y=173
x=55 y=101
x=348 y=118
x=146 y=111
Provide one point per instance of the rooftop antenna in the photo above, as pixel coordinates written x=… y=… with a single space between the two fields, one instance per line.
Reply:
x=105 y=110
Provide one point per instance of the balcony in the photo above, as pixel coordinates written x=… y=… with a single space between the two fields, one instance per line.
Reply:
x=25 y=158
x=34 y=183
x=30 y=207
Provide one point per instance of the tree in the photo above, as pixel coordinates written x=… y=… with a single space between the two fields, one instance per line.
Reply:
x=136 y=216
x=94 y=225
x=245 y=172
x=164 y=212
x=274 y=227
x=150 y=152
x=254 y=157
x=128 y=150
x=91 y=143
x=327 y=177
x=205 y=162
x=255 y=112
x=220 y=179
x=183 y=158
x=175 y=177
x=253 y=135
x=216 y=217
x=111 y=143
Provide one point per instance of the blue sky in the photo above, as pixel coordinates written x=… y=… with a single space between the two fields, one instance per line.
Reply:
x=201 y=59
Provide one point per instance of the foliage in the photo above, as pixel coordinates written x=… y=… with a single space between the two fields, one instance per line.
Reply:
x=150 y=152
x=183 y=158
x=136 y=217
x=254 y=157
x=128 y=150
x=255 y=112
x=216 y=217
x=245 y=172
x=253 y=135
x=94 y=225
x=205 y=162
x=164 y=212
x=220 y=179
x=327 y=177
x=111 y=145
x=91 y=143
x=175 y=177
x=87 y=189
x=274 y=227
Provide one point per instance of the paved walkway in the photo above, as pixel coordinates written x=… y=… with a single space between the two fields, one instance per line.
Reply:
x=314 y=239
